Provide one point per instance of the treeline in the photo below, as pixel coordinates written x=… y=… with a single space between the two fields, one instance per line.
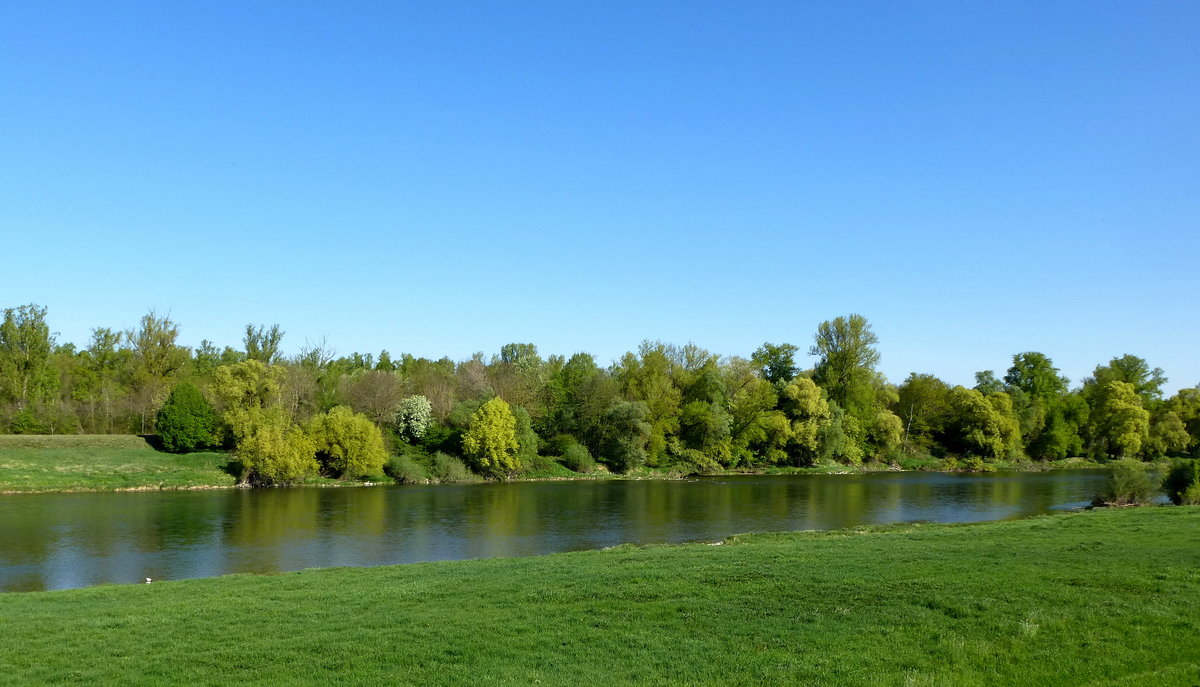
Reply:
x=663 y=406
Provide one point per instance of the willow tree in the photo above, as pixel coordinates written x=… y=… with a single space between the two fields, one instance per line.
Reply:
x=490 y=442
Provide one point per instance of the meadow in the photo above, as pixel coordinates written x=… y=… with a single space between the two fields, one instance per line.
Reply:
x=1104 y=597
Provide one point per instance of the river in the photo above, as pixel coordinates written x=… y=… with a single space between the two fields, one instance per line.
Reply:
x=61 y=541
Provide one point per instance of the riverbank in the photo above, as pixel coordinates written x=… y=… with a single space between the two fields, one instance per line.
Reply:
x=1036 y=601
x=68 y=463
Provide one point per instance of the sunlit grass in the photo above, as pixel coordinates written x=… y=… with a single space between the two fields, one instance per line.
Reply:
x=1100 y=598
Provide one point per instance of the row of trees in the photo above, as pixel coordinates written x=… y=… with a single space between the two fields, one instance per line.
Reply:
x=662 y=406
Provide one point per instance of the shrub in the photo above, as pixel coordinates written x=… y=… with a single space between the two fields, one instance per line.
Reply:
x=976 y=464
x=1182 y=483
x=577 y=458
x=1128 y=484
x=187 y=421
x=405 y=470
x=491 y=440
x=450 y=470
x=275 y=451
x=348 y=443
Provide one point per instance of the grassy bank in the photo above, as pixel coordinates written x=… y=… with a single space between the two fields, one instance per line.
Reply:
x=1095 y=598
x=103 y=463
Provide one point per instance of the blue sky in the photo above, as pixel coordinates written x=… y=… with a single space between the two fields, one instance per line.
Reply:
x=977 y=179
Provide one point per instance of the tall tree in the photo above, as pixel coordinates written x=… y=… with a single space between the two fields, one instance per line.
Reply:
x=1147 y=382
x=1120 y=425
x=25 y=346
x=262 y=344
x=157 y=359
x=491 y=441
x=776 y=362
x=846 y=359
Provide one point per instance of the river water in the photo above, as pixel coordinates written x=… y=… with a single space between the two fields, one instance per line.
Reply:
x=60 y=541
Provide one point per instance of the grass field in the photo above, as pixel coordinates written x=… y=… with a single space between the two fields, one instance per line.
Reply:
x=1106 y=597
x=102 y=462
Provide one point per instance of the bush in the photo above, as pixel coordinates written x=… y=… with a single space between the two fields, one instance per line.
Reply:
x=1182 y=483
x=348 y=443
x=1128 y=485
x=450 y=470
x=976 y=464
x=577 y=458
x=405 y=470
x=187 y=421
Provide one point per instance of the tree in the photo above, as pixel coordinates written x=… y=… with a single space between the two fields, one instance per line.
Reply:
x=347 y=443
x=923 y=405
x=274 y=450
x=1035 y=374
x=157 y=359
x=186 y=421
x=1147 y=383
x=624 y=436
x=244 y=388
x=776 y=362
x=491 y=441
x=806 y=406
x=846 y=359
x=1120 y=425
x=646 y=377
x=982 y=425
x=263 y=344
x=25 y=346
x=413 y=417
x=1168 y=435
x=986 y=383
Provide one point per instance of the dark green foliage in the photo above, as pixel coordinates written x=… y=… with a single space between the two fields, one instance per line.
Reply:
x=576 y=457
x=1128 y=484
x=776 y=362
x=1182 y=482
x=623 y=444
x=187 y=421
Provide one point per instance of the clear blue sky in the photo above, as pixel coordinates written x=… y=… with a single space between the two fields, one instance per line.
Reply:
x=978 y=179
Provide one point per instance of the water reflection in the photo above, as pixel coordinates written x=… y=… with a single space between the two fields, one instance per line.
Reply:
x=56 y=541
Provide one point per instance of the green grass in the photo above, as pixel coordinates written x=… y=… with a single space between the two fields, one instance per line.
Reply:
x=101 y=463
x=1106 y=597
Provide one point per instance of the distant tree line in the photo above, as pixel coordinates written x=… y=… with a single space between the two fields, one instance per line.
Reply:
x=662 y=406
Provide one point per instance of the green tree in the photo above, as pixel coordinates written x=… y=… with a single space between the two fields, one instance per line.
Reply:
x=982 y=425
x=625 y=433
x=274 y=450
x=262 y=344
x=243 y=389
x=1147 y=382
x=157 y=360
x=347 y=443
x=1168 y=436
x=923 y=405
x=807 y=408
x=491 y=441
x=646 y=377
x=776 y=362
x=986 y=383
x=25 y=346
x=1120 y=425
x=846 y=359
x=1035 y=374
x=187 y=421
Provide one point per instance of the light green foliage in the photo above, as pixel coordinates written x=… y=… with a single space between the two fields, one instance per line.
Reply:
x=245 y=387
x=491 y=441
x=885 y=432
x=1128 y=484
x=347 y=443
x=1168 y=435
x=187 y=421
x=805 y=405
x=273 y=449
x=753 y=418
x=646 y=377
x=25 y=345
x=1147 y=383
x=983 y=425
x=157 y=358
x=413 y=417
x=1186 y=405
x=1120 y=425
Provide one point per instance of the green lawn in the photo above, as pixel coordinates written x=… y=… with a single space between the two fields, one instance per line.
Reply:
x=102 y=462
x=1107 y=597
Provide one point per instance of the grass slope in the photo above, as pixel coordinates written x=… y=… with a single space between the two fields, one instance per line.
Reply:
x=1096 y=598
x=102 y=462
